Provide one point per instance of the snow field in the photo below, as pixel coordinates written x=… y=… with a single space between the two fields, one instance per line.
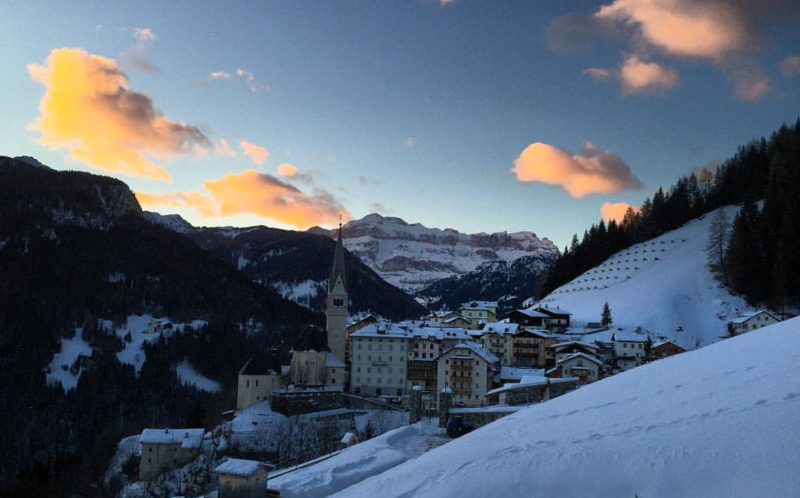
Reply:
x=663 y=285
x=720 y=421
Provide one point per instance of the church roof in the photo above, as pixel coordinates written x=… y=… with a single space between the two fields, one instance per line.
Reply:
x=312 y=338
x=337 y=271
x=262 y=364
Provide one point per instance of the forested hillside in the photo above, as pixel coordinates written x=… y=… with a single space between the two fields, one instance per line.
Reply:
x=77 y=256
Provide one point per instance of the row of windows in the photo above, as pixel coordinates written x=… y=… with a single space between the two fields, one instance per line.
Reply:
x=379 y=381
x=380 y=370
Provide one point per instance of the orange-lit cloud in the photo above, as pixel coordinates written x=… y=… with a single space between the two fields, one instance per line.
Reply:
x=254 y=193
x=90 y=110
x=205 y=206
x=410 y=142
x=790 y=65
x=727 y=33
x=258 y=154
x=639 y=76
x=287 y=169
x=705 y=29
x=593 y=171
x=616 y=211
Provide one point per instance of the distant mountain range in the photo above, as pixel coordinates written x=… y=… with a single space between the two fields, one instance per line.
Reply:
x=413 y=257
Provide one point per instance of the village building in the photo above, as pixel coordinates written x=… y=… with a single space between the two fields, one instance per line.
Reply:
x=378 y=362
x=260 y=375
x=468 y=370
x=165 y=449
x=479 y=313
x=528 y=318
x=585 y=367
x=428 y=340
x=532 y=348
x=629 y=349
x=241 y=478
x=498 y=338
x=531 y=389
x=752 y=321
x=663 y=349
x=313 y=365
x=562 y=349
x=354 y=326
x=558 y=320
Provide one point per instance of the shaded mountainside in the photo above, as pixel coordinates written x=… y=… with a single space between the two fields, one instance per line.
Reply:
x=298 y=264
x=509 y=283
x=76 y=253
x=413 y=256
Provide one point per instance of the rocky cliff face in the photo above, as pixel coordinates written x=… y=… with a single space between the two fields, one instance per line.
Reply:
x=412 y=256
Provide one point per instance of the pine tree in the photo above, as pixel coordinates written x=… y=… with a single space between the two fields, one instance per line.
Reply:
x=605 y=318
x=718 y=236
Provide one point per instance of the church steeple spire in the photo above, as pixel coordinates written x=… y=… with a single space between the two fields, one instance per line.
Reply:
x=337 y=271
x=336 y=310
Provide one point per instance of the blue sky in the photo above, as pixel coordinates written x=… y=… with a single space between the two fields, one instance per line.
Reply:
x=412 y=108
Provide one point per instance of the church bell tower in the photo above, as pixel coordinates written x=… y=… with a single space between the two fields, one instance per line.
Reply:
x=336 y=303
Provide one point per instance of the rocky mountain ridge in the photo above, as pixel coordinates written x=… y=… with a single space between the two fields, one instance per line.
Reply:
x=412 y=256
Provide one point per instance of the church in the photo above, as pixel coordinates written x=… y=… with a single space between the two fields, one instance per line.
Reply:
x=318 y=356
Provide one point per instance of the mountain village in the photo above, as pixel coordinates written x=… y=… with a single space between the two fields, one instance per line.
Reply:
x=452 y=371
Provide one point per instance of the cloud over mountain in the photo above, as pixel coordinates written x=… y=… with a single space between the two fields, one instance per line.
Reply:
x=254 y=193
x=90 y=110
x=590 y=172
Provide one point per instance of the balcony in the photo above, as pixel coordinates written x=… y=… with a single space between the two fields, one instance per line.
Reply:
x=461 y=368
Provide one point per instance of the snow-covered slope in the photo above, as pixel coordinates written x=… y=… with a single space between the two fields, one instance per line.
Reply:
x=663 y=285
x=720 y=421
x=411 y=256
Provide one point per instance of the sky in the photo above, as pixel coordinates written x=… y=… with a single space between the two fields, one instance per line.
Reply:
x=478 y=115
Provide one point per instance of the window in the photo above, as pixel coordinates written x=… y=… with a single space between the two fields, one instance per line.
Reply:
x=334 y=371
x=358 y=369
x=256 y=382
x=248 y=382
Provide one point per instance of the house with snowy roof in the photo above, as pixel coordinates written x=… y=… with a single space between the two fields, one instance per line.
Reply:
x=662 y=349
x=629 y=349
x=563 y=349
x=751 y=321
x=378 y=360
x=468 y=370
x=479 y=313
x=585 y=367
x=241 y=478
x=165 y=449
x=528 y=317
x=557 y=320
x=532 y=348
x=531 y=389
x=258 y=377
x=498 y=338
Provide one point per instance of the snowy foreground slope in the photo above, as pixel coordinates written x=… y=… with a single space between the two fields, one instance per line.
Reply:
x=663 y=285
x=721 y=421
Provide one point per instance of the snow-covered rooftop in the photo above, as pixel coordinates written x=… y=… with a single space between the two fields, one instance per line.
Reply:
x=187 y=438
x=517 y=373
x=585 y=356
x=475 y=348
x=237 y=467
